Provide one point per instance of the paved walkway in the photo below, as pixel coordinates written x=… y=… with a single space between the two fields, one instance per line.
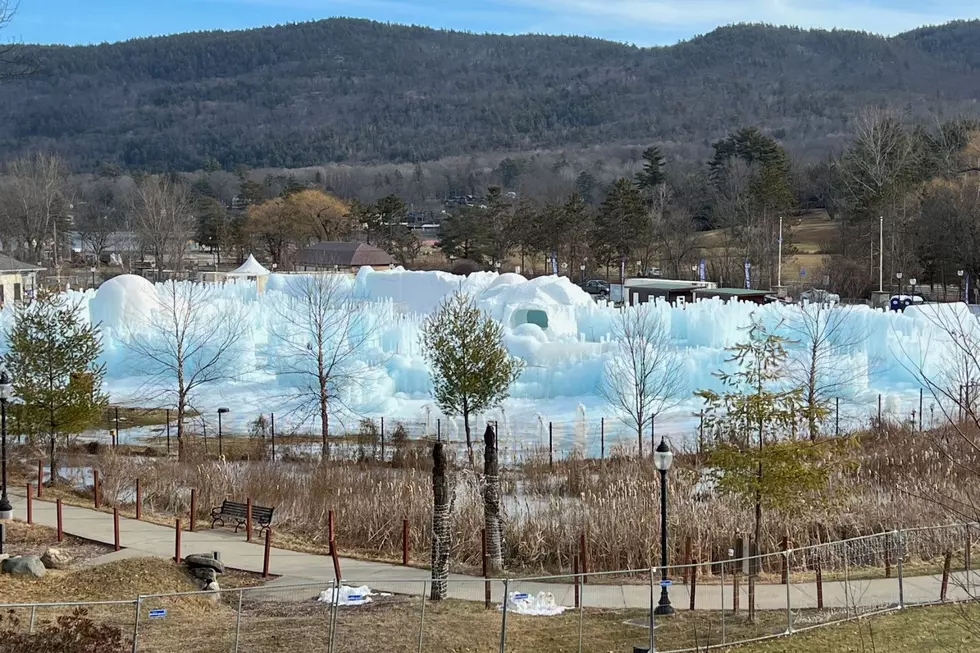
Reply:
x=298 y=569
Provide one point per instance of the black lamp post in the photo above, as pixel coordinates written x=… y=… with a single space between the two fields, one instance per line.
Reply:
x=662 y=458
x=221 y=411
x=6 y=394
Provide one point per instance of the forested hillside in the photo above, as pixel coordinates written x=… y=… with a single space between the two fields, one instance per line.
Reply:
x=357 y=91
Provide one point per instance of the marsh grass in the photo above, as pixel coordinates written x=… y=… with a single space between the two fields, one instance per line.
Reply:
x=888 y=479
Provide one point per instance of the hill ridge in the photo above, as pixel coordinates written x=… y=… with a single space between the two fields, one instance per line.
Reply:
x=353 y=90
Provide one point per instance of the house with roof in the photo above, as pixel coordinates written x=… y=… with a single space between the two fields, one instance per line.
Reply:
x=18 y=281
x=342 y=257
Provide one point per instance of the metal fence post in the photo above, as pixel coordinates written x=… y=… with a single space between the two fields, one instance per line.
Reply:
x=333 y=615
x=238 y=618
x=723 y=565
x=503 y=618
x=789 y=606
x=136 y=622
x=901 y=575
x=847 y=583
x=33 y=619
x=653 y=599
x=581 y=609
x=425 y=591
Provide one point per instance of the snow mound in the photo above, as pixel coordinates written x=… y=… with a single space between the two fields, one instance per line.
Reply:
x=542 y=605
x=123 y=302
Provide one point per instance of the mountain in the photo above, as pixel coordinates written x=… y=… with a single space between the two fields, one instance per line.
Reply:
x=344 y=90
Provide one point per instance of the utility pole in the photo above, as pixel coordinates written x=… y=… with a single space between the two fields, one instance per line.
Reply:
x=881 y=253
x=779 y=274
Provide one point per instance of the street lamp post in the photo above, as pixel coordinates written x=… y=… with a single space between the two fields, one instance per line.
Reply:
x=898 y=275
x=6 y=394
x=959 y=273
x=913 y=283
x=221 y=411
x=662 y=458
x=93 y=277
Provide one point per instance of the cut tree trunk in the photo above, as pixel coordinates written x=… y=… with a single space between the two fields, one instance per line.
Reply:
x=491 y=500
x=440 y=524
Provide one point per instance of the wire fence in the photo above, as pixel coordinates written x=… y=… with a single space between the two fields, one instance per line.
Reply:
x=378 y=437
x=716 y=603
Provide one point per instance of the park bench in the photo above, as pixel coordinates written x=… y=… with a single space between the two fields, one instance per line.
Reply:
x=261 y=516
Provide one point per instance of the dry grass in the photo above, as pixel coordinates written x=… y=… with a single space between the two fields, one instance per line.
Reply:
x=892 y=479
x=24 y=539
x=122 y=580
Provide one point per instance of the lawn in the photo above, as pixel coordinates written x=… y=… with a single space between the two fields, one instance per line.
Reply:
x=937 y=629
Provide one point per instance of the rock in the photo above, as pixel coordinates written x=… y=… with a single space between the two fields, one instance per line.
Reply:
x=23 y=566
x=215 y=588
x=204 y=561
x=56 y=559
x=204 y=574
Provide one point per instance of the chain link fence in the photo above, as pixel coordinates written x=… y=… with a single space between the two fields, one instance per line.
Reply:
x=711 y=604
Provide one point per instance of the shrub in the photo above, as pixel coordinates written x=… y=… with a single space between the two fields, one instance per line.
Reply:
x=73 y=633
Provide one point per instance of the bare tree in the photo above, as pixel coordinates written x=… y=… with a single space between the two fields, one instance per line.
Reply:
x=15 y=61
x=163 y=220
x=186 y=341
x=644 y=374
x=674 y=235
x=39 y=197
x=321 y=333
x=877 y=177
x=822 y=335
x=99 y=216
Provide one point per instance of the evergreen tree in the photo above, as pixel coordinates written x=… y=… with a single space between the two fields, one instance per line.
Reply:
x=53 y=358
x=619 y=224
x=388 y=214
x=213 y=227
x=470 y=367
x=652 y=174
x=464 y=234
x=754 y=422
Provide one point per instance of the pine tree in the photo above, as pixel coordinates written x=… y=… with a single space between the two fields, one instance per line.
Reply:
x=755 y=452
x=620 y=223
x=53 y=358
x=470 y=367
x=652 y=174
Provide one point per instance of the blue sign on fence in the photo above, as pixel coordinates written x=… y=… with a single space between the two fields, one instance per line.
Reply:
x=156 y=614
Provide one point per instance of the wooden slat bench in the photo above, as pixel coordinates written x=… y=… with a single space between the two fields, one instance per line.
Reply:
x=261 y=516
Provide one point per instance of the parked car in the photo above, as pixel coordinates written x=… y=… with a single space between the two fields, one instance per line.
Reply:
x=596 y=287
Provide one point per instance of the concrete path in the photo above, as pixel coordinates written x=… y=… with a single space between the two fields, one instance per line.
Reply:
x=304 y=575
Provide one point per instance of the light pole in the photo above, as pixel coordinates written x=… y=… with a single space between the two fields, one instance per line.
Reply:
x=6 y=394
x=662 y=458
x=959 y=273
x=898 y=275
x=93 y=277
x=912 y=283
x=221 y=411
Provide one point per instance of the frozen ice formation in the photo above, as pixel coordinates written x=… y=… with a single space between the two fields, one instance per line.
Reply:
x=563 y=335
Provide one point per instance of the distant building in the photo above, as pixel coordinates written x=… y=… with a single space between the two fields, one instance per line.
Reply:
x=737 y=294
x=17 y=280
x=641 y=290
x=342 y=257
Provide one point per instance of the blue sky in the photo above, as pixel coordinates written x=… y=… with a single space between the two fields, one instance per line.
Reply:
x=644 y=22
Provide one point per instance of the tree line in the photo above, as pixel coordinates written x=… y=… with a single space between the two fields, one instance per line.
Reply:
x=358 y=91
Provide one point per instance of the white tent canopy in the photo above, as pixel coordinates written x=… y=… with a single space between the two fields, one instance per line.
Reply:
x=250 y=268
